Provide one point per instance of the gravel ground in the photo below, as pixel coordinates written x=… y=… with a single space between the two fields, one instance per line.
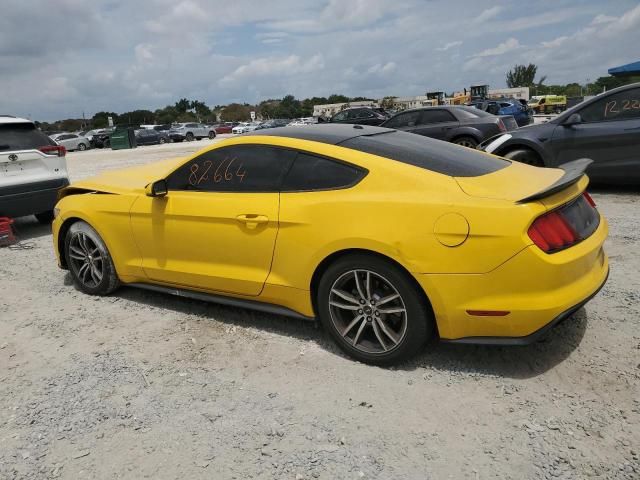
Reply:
x=144 y=385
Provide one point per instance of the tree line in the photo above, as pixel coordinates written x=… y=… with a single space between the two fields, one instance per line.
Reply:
x=185 y=110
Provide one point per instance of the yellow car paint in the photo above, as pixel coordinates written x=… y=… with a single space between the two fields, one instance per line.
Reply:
x=267 y=246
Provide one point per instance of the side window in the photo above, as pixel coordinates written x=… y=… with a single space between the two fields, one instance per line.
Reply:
x=310 y=172
x=340 y=116
x=620 y=106
x=239 y=168
x=353 y=114
x=436 y=116
x=404 y=120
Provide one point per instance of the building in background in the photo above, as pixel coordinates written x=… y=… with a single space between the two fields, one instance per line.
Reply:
x=330 y=109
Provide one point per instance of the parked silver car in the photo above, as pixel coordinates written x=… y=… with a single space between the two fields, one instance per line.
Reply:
x=71 y=141
x=190 y=131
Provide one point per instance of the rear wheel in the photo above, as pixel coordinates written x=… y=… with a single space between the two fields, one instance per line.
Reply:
x=466 y=142
x=82 y=147
x=189 y=137
x=373 y=310
x=525 y=155
x=162 y=140
x=89 y=260
x=212 y=135
x=45 y=217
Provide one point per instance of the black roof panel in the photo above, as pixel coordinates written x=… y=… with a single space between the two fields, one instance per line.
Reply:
x=416 y=150
x=332 y=133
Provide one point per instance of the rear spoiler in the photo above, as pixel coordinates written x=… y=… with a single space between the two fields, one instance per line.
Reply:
x=573 y=172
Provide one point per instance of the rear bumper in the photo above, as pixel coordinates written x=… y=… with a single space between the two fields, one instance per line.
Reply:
x=533 y=337
x=30 y=198
x=536 y=289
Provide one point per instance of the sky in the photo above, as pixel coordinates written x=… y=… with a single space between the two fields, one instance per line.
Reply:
x=60 y=58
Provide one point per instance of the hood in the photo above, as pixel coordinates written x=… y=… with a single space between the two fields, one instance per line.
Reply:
x=128 y=180
x=512 y=183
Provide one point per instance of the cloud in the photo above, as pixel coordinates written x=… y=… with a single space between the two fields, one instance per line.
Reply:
x=448 y=46
x=284 y=66
x=119 y=58
x=379 y=69
x=507 y=46
x=488 y=14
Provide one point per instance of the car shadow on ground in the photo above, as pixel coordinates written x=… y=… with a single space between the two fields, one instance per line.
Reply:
x=28 y=228
x=509 y=362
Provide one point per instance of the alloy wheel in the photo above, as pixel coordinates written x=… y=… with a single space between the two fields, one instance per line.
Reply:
x=86 y=259
x=367 y=310
x=466 y=143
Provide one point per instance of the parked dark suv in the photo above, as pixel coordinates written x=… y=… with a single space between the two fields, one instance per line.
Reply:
x=466 y=126
x=361 y=116
x=605 y=129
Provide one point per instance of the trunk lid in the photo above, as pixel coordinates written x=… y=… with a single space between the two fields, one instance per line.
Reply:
x=522 y=183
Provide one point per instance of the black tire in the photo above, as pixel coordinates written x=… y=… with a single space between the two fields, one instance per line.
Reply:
x=107 y=144
x=189 y=137
x=82 y=147
x=411 y=329
x=469 y=142
x=524 y=155
x=212 y=135
x=45 y=218
x=85 y=251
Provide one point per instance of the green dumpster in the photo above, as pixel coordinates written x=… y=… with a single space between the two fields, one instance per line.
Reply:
x=122 y=138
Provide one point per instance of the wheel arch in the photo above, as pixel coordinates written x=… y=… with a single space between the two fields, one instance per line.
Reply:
x=512 y=146
x=62 y=234
x=335 y=256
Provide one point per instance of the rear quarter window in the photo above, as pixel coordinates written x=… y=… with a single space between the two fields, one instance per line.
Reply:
x=22 y=136
x=427 y=153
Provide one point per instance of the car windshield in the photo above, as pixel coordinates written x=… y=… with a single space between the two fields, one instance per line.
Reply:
x=427 y=153
x=22 y=136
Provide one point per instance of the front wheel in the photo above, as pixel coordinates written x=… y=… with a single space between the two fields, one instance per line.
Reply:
x=89 y=260
x=189 y=137
x=82 y=147
x=525 y=156
x=162 y=140
x=466 y=142
x=373 y=310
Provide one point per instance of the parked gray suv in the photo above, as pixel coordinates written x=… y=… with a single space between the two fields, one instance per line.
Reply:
x=32 y=170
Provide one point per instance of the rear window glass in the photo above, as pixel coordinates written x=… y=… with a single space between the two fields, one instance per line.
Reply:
x=22 y=136
x=427 y=153
x=316 y=173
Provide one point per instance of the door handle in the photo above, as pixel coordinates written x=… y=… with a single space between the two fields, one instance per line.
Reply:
x=252 y=220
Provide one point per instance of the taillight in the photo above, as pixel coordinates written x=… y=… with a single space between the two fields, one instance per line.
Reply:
x=565 y=226
x=501 y=125
x=58 y=150
x=589 y=199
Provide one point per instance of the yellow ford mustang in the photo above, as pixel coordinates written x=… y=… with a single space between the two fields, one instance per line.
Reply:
x=389 y=238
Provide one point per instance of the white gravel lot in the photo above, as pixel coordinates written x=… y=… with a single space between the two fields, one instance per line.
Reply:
x=144 y=385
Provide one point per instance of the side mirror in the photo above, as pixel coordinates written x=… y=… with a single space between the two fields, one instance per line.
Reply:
x=574 y=119
x=159 y=188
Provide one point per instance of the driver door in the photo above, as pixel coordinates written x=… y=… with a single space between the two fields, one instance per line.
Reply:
x=216 y=227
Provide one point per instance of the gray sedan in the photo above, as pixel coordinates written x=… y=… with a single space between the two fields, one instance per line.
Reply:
x=71 y=141
x=466 y=126
x=605 y=129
